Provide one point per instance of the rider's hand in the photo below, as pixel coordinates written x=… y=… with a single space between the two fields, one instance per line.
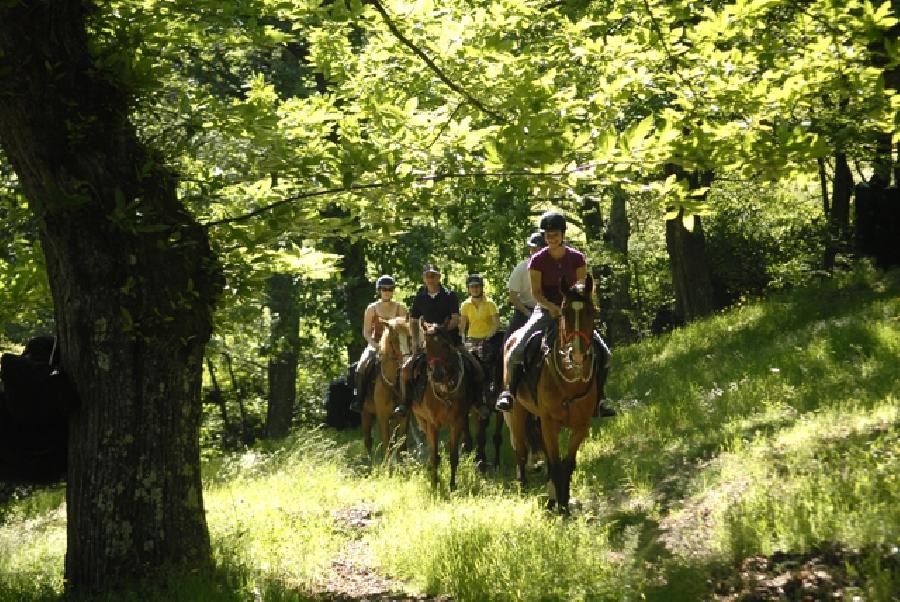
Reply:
x=555 y=312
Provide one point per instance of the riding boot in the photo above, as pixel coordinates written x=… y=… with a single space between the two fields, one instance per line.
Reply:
x=402 y=408
x=507 y=397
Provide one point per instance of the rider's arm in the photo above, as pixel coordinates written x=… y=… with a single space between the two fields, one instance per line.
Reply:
x=463 y=325
x=538 y=291
x=581 y=274
x=495 y=324
x=415 y=329
x=368 y=329
x=454 y=321
x=516 y=300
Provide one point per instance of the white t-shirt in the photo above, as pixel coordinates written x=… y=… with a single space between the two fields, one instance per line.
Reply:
x=520 y=282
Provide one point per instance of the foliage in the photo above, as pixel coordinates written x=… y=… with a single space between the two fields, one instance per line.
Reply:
x=761 y=237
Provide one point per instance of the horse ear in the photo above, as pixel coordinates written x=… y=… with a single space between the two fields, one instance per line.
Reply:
x=588 y=286
x=564 y=286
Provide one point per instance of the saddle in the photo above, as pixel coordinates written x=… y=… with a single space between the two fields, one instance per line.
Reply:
x=539 y=346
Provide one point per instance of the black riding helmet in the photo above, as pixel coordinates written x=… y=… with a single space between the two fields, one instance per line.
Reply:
x=475 y=279
x=384 y=281
x=536 y=240
x=553 y=220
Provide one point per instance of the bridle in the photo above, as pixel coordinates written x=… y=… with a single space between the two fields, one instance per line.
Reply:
x=578 y=340
x=439 y=360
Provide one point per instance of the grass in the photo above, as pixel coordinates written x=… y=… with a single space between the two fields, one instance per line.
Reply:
x=768 y=431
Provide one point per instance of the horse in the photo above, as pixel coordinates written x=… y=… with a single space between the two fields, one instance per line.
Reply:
x=488 y=353
x=382 y=395
x=445 y=400
x=569 y=388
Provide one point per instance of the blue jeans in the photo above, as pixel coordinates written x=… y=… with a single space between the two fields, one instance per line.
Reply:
x=540 y=320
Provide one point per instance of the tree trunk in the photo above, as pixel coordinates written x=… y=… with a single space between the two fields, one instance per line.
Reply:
x=839 y=217
x=133 y=282
x=618 y=319
x=284 y=355
x=355 y=292
x=687 y=261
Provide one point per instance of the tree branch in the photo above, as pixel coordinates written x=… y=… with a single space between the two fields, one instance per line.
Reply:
x=431 y=64
x=428 y=178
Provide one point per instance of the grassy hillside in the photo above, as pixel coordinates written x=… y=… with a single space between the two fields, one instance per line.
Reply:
x=756 y=454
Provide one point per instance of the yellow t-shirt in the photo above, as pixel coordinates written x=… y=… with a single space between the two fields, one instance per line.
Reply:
x=480 y=318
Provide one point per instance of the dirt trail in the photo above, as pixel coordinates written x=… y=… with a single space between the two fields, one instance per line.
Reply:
x=354 y=574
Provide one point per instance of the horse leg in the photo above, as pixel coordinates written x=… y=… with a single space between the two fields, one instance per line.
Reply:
x=384 y=430
x=515 y=419
x=431 y=435
x=467 y=438
x=402 y=430
x=567 y=466
x=481 y=440
x=455 y=431
x=498 y=437
x=366 y=427
x=550 y=435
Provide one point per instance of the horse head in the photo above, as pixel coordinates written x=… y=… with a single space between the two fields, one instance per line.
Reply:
x=395 y=337
x=576 y=322
x=441 y=354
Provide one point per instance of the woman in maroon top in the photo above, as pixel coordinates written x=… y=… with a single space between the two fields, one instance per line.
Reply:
x=546 y=269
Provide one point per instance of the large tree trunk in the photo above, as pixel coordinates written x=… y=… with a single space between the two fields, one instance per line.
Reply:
x=284 y=354
x=839 y=216
x=133 y=282
x=618 y=231
x=688 y=262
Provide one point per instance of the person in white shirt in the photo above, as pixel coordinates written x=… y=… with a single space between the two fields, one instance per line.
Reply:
x=519 y=285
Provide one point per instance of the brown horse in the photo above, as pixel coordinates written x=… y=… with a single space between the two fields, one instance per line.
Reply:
x=488 y=353
x=568 y=391
x=382 y=395
x=445 y=401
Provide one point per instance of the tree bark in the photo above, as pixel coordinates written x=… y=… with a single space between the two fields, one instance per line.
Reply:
x=688 y=262
x=285 y=343
x=618 y=231
x=839 y=217
x=133 y=281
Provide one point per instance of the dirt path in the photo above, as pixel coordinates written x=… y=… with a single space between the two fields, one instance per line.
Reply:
x=354 y=574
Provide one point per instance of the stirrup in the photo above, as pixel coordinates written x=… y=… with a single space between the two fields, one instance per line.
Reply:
x=504 y=402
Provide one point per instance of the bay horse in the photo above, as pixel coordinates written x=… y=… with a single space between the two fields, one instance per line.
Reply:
x=488 y=352
x=569 y=388
x=383 y=393
x=445 y=400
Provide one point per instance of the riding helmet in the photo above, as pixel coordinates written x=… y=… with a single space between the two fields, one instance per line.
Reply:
x=552 y=220
x=536 y=240
x=475 y=279
x=384 y=281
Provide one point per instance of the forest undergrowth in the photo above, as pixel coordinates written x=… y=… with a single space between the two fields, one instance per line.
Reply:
x=755 y=456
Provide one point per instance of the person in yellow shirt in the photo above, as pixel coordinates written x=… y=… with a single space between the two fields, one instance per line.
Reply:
x=478 y=318
x=478 y=322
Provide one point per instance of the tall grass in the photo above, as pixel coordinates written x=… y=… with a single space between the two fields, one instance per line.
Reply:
x=771 y=428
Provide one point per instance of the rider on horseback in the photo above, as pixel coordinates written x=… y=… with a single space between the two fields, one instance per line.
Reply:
x=433 y=304
x=519 y=285
x=546 y=269
x=383 y=309
x=478 y=323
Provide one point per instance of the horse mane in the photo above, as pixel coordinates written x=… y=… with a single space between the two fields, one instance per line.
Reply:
x=389 y=325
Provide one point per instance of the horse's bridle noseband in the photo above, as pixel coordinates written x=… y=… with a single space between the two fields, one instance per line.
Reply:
x=569 y=341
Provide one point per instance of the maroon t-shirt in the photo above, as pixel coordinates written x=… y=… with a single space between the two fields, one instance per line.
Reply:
x=552 y=270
